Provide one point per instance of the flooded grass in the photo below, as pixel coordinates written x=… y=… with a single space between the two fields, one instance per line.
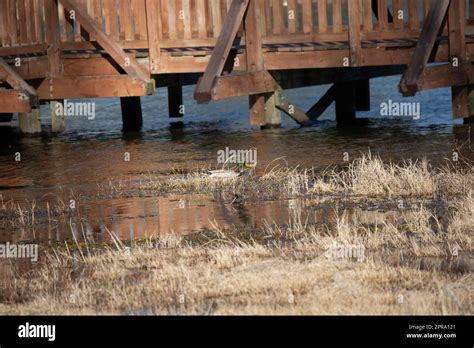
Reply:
x=416 y=260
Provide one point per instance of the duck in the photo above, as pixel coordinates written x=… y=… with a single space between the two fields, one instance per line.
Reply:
x=241 y=169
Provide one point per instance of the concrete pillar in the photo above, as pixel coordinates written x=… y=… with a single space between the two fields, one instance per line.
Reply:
x=175 y=96
x=132 y=118
x=30 y=123
x=272 y=114
x=346 y=103
x=58 y=121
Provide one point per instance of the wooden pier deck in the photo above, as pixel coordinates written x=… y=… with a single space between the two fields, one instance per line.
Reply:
x=52 y=50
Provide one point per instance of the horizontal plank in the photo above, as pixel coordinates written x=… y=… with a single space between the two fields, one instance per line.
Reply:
x=94 y=87
x=21 y=50
x=251 y=83
x=446 y=76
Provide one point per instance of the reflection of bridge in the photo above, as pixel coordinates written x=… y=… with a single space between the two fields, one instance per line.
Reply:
x=66 y=49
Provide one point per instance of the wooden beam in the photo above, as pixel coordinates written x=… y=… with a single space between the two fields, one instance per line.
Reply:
x=16 y=81
x=355 y=43
x=95 y=87
x=254 y=55
x=442 y=76
x=434 y=23
x=283 y=104
x=12 y=100
x=53 y=37
x=221 y=50
x=457 y=51
x=175 y=96
x=321 y=106
x=132 y=119
x=246 y=84
x=127 y=62
x=345 y=103
x=154 y=27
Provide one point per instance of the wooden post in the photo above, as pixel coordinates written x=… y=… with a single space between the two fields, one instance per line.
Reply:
x=175 y=96
x=58 y=122
x=131 y=114
x=363 y=95
x=272 y=113
x=51 y=12
x=457 y=54
x=254 y=56
x=354 y=33
x=154 y=28
x=30 y=123
x=345 y=103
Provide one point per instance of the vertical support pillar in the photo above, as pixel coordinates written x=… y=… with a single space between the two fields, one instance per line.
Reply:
x=457 y=54
x=175 y=96
x=58 y=121
x=51 y=13
x=345 y=103
x=131 y=114
x=355 y=43
x=154 y=28
x=363 y=95
x=30 y=123
x=272 y=113
x=254 y=57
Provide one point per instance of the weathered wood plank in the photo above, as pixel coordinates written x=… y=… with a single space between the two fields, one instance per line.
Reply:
x=323 y=103
x=457 y=55
x=222 y=49
x=154 y=30
x=398 y=14
x=337 y=15
x=95 y=87
x=16 y=81
x=292 y=110
x=322 y=16
x=354 y=33
x=254 y=55
x=436 y=18
x=126 y=62
x=246 y=84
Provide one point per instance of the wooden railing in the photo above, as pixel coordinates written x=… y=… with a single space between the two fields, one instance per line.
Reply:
x=197 y=23
x=188 y=23
x=21 y=22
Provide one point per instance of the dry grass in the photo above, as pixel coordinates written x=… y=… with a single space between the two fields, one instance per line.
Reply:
x=367 y=176
x=275 y=270
x=370 y=176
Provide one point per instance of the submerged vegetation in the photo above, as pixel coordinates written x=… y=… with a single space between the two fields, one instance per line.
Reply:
x=418 y=261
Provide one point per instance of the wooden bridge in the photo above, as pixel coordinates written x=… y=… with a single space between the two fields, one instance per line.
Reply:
x=52 y=50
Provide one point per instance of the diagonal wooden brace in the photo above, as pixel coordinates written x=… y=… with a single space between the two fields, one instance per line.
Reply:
x=436 y=19
x=221 y=51
x=17 y=83
x=128 y=63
